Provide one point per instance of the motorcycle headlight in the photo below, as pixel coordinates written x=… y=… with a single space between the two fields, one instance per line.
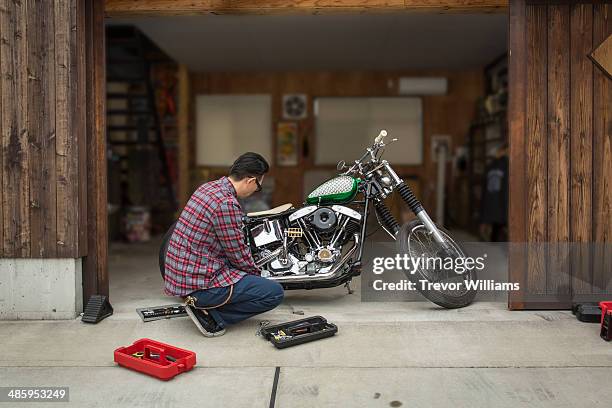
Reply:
x=386 y=180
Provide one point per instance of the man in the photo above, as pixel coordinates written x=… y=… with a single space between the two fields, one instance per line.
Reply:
x=208 y=260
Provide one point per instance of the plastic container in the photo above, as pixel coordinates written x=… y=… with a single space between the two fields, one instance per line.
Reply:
x=324 y=329
x=606 y=326
x=605 y=306
x=157 y=359
x=587 y=312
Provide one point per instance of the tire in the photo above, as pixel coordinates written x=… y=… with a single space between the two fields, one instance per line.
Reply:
x=409 y=242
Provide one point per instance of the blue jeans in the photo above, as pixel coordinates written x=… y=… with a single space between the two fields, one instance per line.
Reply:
x=252 y=295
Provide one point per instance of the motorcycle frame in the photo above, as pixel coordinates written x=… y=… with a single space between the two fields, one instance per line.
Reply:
x=371 y=182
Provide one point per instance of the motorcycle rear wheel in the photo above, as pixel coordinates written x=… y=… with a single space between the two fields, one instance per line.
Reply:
x=416 y=241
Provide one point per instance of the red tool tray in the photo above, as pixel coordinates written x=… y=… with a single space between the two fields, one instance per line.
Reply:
x=158 y=359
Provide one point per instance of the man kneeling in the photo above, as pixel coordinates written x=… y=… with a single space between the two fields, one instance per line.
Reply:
x=208 y=260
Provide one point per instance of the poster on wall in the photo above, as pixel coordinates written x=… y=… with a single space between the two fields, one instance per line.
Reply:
x=287 y=144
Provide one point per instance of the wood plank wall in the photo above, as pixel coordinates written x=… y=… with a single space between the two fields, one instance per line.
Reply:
x=42 y=131
x=445 y=114
x=561 y=153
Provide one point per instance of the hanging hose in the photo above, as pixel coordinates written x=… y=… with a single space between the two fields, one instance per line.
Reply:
x=386 y=217
x=410 y=199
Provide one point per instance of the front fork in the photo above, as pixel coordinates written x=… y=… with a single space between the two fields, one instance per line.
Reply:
x=389 y=221
x=408 y=196
x=418 y=210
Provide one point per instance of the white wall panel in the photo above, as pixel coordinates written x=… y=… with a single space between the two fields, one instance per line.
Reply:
x=346 y=126
x=229 y=125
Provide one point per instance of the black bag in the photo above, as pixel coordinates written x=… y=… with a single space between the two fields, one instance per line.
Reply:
x=164 y=248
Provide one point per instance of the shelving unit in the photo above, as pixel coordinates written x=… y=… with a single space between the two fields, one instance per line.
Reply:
x=487 y=133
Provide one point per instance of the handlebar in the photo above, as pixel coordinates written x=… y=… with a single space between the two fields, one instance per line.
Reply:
x=380 y=136
x=372 y=151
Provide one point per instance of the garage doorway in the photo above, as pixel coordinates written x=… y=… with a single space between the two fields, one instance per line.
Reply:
x=526 y=22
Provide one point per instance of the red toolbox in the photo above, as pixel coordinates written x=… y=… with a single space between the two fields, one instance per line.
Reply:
x=155 y=358
x=604 y=306
x=606 y=320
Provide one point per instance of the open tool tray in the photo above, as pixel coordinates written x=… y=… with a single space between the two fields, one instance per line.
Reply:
x=299 y=331
x=155 y=358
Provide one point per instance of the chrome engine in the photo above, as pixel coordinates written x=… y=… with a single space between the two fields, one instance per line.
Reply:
x=308 y=242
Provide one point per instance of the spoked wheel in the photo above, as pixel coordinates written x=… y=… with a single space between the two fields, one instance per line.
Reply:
x=451 y=293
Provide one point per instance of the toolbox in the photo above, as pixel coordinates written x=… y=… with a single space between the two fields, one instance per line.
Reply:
x=605 y=307
x=301 y=331
x=606 y=320
x=587 y=312
x=155 y=358
x=148 y=314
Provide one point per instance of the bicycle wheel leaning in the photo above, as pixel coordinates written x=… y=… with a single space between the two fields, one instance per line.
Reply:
x=452 y=292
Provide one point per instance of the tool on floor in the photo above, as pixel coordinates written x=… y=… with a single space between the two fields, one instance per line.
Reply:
x=148 y=314
x=305 y=327
x=98 y=308
x=155 y=358
x=140 y=354
x=262 y=324
x=281 y=335
x=298 y=331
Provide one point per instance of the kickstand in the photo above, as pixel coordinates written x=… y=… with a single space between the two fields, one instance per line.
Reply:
x=347 y=285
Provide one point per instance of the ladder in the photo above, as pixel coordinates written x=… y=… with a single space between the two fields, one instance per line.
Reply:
x=130 y=59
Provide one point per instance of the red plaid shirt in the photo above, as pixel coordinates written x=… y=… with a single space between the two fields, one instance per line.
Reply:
x=207 y=248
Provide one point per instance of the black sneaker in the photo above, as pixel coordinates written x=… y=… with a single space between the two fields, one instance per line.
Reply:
x=203 y=321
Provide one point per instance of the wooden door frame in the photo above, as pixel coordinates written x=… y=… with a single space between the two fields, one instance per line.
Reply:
x=516 y=161
x=150 y=8
x=95 y=266
x=95 y=263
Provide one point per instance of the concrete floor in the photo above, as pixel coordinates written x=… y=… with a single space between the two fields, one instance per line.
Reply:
x=392 y=354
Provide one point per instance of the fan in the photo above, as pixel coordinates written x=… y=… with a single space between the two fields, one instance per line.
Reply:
x=294 y=106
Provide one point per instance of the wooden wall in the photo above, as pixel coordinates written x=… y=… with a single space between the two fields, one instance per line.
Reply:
x=448 y=114
x=561 y=153
x=42 y=127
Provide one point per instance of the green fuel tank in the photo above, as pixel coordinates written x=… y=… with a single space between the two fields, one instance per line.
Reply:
x=338 y=190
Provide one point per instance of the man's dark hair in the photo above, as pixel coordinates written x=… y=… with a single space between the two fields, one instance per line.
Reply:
x=249 y=165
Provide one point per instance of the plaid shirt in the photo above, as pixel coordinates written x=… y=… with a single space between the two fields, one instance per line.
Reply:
x=207 y=248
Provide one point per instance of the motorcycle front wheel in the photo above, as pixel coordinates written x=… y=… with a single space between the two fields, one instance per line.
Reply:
x=451 y=292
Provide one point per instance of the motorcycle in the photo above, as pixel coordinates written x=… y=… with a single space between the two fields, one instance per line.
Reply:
x=320 y=245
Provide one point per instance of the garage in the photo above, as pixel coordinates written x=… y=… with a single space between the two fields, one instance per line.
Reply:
x=114 y=113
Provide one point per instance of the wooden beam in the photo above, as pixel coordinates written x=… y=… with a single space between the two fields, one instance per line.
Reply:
x=79 y=93
x=121 y=8
x=516 y=126
x=183 y=136
x=95 y=275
